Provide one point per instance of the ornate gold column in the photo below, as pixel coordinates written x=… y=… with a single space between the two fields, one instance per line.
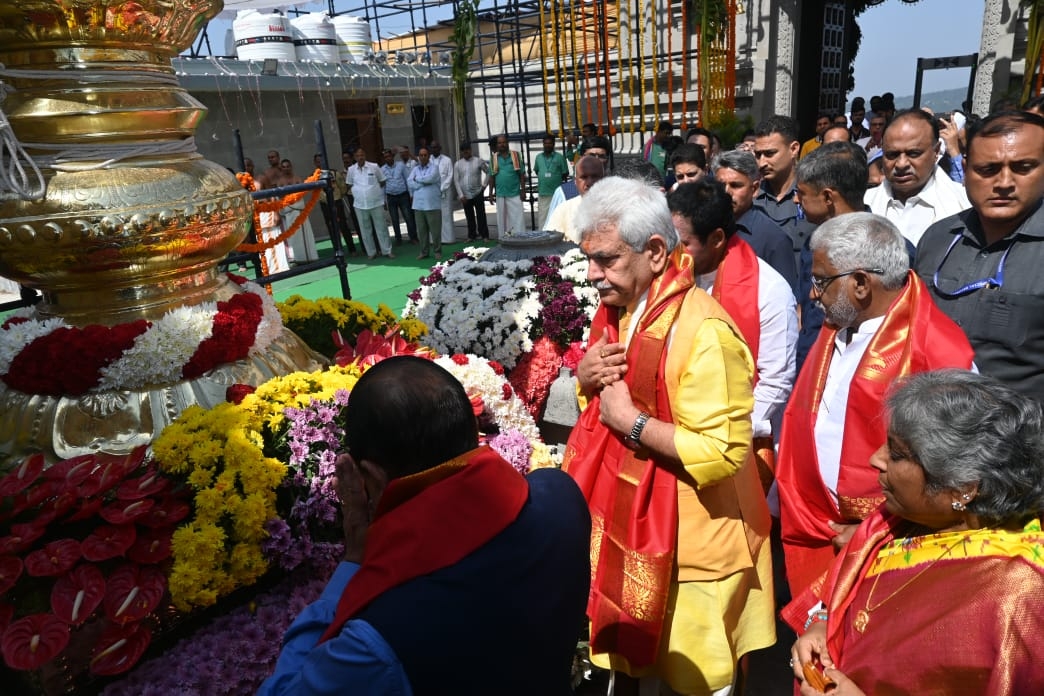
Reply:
x=131 y=221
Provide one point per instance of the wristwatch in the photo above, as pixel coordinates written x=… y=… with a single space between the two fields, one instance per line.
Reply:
x=634 y=438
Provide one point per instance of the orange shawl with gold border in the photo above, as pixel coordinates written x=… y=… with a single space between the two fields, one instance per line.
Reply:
x=914 y=337
x=633 y=498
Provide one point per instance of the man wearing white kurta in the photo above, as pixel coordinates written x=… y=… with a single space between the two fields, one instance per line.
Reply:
x=367 y=182
x=915 y=192
x=445 y=165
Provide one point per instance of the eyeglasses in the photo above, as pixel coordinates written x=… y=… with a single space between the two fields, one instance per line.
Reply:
x=821 y=283
x=993 y=282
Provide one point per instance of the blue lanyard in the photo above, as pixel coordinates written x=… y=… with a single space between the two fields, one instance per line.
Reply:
x=993 y=282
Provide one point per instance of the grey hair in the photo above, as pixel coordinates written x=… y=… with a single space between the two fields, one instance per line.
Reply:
x=635 y=209
x=864 y=240
x=966 y=429
x=737 y=160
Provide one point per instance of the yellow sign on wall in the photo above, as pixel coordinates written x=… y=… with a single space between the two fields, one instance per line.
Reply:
x=396 y=109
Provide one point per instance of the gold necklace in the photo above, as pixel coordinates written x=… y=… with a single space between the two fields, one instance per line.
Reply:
x=862 y=617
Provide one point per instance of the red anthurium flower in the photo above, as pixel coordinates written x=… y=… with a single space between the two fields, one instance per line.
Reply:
x=119 y=648
x=33 y=640
x=151 y=483
x=77 y=594
x=21 y=538
x=54 y=508
x=88 y=508
x=168 y=511
x=151 y=546
x=237 y=392
x=133 y=592
x=477 y=405
x=53 y=559
x=72 y=472
x=108 y=541
x=21 y=476
x=10 y=571
x=124 y=511
x=111 y=470
x=32 y=497
x=6 y=614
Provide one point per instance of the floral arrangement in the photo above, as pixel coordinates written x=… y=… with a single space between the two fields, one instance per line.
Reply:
x=234 y=653
x=183 y=344
x=499 y=309
x=227 y=454
x=103 y=551
x=86 y=548
x=329 y=323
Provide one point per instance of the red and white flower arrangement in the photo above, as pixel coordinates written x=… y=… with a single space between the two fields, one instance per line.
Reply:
x=183 y=344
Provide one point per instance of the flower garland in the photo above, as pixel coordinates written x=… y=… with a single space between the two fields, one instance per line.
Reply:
x=183 y=344
x=500 y=308
x=274 y=205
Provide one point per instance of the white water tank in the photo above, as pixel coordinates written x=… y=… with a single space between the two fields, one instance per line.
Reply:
x=260 y=36
x=353 y=38
x=315 y=38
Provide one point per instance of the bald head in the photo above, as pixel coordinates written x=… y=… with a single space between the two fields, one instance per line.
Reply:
x=589 y=171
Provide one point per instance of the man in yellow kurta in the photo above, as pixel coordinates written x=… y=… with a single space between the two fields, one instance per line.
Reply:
x=681 y=576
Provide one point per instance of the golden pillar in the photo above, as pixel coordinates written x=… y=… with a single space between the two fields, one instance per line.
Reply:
x=126 y=221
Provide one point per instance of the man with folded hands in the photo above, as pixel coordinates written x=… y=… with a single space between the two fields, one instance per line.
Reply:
x=460 y=575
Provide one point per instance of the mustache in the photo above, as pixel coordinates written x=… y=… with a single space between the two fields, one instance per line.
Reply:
x=603 y=285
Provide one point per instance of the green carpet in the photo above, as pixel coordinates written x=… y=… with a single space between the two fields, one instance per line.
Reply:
x=381 y=281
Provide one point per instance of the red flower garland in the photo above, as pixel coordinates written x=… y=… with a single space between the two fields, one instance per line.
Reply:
x=534 y=373
x=81 y=353
x=234 y=327
x=68 y=360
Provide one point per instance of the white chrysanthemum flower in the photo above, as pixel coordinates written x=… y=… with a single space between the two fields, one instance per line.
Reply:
x=159 y=355
x=271 y=325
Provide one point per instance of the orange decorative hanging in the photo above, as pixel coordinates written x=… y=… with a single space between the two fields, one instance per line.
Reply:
x=287 y=234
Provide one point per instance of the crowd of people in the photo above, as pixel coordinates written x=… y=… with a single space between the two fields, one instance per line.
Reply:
x=791 y=366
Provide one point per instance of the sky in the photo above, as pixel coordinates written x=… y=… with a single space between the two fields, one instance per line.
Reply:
x=896 y=34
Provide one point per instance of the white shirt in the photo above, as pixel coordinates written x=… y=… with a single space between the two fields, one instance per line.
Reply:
x=445 y=166
x=470 y=176
x=864 y=143
x=830 y=423
x=561 y=219
x=556 y=200
x=941 y=197
x=777 y=347
x=366 y=185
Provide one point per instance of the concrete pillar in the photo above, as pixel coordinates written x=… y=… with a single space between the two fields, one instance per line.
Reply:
x=996 y=48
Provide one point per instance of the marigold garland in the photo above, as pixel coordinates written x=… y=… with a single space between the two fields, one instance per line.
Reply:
x=274 y=205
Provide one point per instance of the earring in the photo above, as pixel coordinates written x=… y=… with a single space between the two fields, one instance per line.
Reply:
x=966 y=497
x=957 y=505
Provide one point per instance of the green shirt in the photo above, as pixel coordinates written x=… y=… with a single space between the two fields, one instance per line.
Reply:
x=508 y=179
x=658 y=156
x=551 y=170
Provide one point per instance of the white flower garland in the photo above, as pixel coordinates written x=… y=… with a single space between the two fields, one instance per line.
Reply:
x=160 y=353
x=478 y=374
